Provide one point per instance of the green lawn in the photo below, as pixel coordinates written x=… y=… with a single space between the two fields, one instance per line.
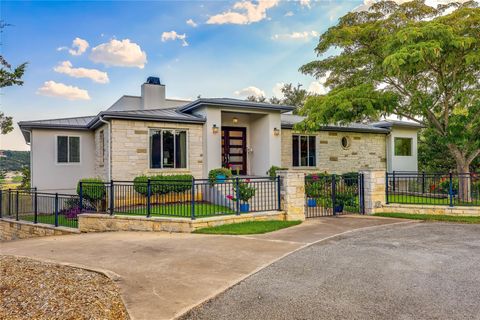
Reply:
x=250 y=227
x=180 y=209
x=50 y=219
x=431 y=217
x=409 y=199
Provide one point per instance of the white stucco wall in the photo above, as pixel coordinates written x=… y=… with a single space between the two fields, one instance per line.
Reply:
x=402 y=163
x=265 y=145
x=47 y=174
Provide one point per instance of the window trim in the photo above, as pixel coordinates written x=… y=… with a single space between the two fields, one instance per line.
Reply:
x=411 y=146
x=300 y=151
x=187 y=167
x=68 y=163
x=101 y=138
x=349 y=142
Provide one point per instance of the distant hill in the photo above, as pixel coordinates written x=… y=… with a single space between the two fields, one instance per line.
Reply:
x=14 y=160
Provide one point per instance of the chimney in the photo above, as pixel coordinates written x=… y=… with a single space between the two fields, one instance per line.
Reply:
x=153 y=93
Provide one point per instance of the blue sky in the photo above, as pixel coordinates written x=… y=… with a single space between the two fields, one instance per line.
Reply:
x=227 y=49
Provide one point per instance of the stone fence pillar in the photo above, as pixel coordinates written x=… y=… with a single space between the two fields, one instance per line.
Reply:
x=374 y=190
x=292 y=194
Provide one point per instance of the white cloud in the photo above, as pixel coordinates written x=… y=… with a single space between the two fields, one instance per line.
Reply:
x=191 y=23
x=289 y=14
x=173 y=35
x=79 y=46
x=244 y=12
x=318 y=87
x=277 y=90
x=60 y=90
x=250 y=91
x=121 y=53
x=66 y=67
x=305 y=35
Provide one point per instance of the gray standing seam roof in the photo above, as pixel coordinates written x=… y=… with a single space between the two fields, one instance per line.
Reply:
x=226 y=102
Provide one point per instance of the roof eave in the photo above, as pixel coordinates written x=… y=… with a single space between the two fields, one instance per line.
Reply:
x=105 y=115
x=343 y=129
x=198 y=104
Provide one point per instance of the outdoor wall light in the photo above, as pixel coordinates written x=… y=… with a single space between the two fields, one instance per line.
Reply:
x=235 y=120
x=276 y=131
x=214 y=129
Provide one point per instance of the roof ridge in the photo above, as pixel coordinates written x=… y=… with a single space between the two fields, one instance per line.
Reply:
x=82 y=117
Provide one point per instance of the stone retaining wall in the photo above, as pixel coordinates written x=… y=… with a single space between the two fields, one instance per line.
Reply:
x=429 y=209
x=105 y=222
x=13 y=230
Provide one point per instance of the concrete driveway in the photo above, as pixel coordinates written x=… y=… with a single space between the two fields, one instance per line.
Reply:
x=162 y=275
x=409 y=271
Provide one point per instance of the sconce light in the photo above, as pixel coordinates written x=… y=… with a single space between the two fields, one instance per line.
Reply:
x=276 y=131
x=235 y=119
x=215 y=129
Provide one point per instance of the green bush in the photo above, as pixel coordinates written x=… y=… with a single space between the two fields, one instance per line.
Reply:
x=245 y=191
x=212 y=175
x=163 y=184
x=93 y=189
x=272 y=172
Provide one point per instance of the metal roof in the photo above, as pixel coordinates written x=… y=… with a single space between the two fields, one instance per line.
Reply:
x=228 y=102
x=397 y=123
x=66 y=123
x=289 y=120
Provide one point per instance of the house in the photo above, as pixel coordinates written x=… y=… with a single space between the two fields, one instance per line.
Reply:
x=151 y=134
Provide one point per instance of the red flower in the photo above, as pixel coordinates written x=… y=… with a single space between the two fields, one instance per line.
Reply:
x=230 y=197
x=247 y=180
x=315 y=177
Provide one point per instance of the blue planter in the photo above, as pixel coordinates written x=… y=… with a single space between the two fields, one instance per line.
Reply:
x=220 y=178
x=312 y=202
x=339 y=208
x=244 y=207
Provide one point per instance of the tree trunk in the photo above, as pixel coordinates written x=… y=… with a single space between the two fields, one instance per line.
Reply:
x=463 y=171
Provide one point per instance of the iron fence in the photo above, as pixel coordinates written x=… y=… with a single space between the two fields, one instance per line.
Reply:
x=451 y=189
x=328 y=195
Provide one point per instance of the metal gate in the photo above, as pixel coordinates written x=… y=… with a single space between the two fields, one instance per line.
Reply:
x=328 y=195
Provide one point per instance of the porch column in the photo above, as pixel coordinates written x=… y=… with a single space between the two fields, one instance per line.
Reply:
x=374 y=190
x=292 y=194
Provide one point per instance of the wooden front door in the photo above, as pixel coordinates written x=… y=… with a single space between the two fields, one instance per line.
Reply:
x=234 y=149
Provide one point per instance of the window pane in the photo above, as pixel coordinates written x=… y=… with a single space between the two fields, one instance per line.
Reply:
x=62 y=149
x=168 y=149
x=180 y=149
x=295 y=154
x=403 y=146
x=303 y=151
x=155 y=149
x=101 y=137
x=311 y=151
x=74 y=149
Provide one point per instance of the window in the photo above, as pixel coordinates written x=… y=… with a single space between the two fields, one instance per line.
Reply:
x=68 y=149
x=168 y=149
x=345 y=142
x=303 y=151
x=403 y=146
x=101 y=138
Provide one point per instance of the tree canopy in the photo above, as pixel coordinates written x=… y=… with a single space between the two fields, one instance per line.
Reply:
x=294 y=96
x=411 y=60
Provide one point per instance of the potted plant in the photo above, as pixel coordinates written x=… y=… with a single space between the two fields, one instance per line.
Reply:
x=219 y=175
x=244 y=194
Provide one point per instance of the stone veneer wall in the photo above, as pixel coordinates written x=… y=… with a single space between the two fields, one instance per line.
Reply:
x=101 y=165
x=366 y=151
x=292 y=194
x=130 y=149
x=374 y=190
x=429 y=209
x=13 y=230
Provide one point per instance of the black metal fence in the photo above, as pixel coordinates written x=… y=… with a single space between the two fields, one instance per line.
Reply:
x=451 y=189
x=328 y=195
x=194 y=198
x=40 y=207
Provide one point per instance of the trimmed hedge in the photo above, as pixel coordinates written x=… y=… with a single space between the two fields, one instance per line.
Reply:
x=93 y=189
x=163 y=184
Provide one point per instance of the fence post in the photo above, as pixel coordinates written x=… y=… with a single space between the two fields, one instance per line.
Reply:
x=1 y=202
x=361 y=194
x=450 y=189
x=386 y=187
x=192 y=199
x=334 y=187
x=237 y=195
x=56 y=209
x=35 y=207
x=149 y=193
x=423 y=182
x=279 y=202
x=9 y=202
x=80 y=196
x=112 y=197
x=393 y=184
x=16 y=206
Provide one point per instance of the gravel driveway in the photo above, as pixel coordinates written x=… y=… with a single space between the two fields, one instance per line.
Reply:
x=413 y=271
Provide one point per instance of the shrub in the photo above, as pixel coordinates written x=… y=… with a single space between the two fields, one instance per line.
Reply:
x=163 y=184
x=93 y=189
x=272 y=172
x=212 y=175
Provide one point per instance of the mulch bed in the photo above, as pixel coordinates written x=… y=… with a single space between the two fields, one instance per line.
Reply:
x=31 y=289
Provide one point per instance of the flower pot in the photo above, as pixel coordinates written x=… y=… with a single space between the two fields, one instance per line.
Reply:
x=312 y=202
x=339 y=208
x=244 y=207
x=220 y=178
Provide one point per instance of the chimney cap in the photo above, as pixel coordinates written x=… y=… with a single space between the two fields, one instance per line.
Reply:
x=153 y=80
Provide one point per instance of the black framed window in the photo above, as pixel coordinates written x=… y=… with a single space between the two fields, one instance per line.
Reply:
x=303 y=151
x=168 y=149
x=68 y=149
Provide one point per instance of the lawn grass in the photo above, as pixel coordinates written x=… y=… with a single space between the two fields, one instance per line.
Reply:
x=431 y=217
x=180 y=209
x=50 y=219
x=249 y=227
x=409 y=199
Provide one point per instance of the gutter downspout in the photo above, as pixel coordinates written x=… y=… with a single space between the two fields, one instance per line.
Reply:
x=109 y=174
x=31 y=155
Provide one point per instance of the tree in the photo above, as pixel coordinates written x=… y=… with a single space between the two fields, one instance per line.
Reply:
x=9 y=77
x=411 y=60
x=292 y=96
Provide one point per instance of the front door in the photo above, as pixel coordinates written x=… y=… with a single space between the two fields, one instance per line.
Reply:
x=234 y=149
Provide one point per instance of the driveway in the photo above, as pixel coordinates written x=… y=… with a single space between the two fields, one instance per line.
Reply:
x=162 y=275
x=408 y=271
